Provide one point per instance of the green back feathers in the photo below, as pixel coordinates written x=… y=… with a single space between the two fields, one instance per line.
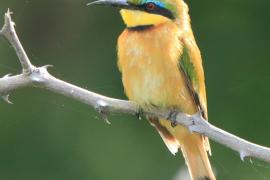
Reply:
x=192 y=80
x=189 y=69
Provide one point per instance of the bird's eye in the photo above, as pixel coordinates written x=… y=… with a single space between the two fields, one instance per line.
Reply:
x=150 y=6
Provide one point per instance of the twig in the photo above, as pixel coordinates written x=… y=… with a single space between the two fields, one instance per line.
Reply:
x=9 y=32
x=39 y=77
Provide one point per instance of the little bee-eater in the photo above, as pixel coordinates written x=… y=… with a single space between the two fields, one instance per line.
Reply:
x=161 y=66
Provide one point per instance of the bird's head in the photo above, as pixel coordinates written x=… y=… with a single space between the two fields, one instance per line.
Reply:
x=137 y=13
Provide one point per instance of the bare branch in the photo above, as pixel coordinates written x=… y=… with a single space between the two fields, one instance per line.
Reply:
x=9 y=32
x=39 y=77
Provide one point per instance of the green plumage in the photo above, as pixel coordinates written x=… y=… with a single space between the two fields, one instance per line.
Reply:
x=188 y=68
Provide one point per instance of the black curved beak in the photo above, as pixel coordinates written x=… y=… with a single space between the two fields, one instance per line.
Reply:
x=115 y=3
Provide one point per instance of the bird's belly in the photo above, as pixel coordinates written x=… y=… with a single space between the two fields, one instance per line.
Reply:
x=152 y=80
x=146 y=87
x=149 y=63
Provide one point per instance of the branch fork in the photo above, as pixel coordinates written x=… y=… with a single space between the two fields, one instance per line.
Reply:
x=39 y=77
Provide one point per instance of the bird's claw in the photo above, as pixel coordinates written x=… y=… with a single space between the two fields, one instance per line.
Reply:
x=172 y=116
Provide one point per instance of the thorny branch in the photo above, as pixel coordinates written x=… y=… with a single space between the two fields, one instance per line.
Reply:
x=32 y=76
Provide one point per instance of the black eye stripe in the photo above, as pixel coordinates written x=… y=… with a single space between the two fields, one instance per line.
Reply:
x=150 y=6
x=157 y=10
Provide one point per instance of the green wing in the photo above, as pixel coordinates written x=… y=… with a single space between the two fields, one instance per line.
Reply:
x=188 y=67
x=191 y=66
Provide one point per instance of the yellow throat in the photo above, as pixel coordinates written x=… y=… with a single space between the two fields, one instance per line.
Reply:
x=133 y=18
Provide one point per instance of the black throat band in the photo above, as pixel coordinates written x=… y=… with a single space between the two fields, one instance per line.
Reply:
x=140 y=28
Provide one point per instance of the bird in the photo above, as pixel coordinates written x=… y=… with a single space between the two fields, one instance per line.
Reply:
x=161 y=66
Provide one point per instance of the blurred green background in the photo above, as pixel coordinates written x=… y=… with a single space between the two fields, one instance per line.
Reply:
x=45 y=136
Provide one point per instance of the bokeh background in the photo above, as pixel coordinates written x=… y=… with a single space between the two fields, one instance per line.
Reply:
x=46 y=136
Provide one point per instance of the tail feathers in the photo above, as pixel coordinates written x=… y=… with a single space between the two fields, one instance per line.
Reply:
x=194 y=148
x=172 y=144
x=197 y=160
x=170 y=141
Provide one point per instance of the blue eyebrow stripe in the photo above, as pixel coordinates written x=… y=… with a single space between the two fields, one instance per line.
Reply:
x=160 y=10
x=158 y=3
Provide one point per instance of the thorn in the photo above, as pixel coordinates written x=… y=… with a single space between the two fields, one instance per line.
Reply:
x=47 y=66
x=250 y=160
x=8 y=75
x=9 y=12
x=8 y=17
x=242 y=155
x=6 y=98
x=102 y=109
x=139 y=113
x=104 y=117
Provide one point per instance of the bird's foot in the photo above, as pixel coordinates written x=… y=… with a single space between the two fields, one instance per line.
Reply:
x=172 y=117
